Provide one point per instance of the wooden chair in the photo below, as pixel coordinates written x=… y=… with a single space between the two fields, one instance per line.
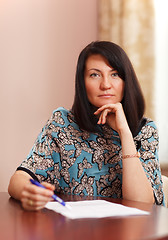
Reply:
x=165 y=189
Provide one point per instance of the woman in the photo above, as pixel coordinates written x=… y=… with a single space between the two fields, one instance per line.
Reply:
x=103 y=146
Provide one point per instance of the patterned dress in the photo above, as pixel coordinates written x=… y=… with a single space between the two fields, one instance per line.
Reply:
x=84 y=163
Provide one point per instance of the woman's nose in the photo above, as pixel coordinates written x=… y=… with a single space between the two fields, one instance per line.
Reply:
x=105 y=83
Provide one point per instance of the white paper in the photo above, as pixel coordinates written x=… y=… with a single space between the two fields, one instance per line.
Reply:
x=94 y=209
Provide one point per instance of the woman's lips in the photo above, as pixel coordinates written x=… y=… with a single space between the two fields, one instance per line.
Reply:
x=106 y=95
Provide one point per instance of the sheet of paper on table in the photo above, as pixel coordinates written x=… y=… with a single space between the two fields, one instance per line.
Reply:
x=94 y=209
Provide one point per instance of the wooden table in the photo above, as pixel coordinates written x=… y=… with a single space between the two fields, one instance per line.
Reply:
x=18 y=224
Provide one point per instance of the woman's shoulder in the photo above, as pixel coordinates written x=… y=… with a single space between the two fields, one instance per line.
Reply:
x=62 y=110
x=147 y=129
x=59 y=117
x=62 y=116
x=148 y=122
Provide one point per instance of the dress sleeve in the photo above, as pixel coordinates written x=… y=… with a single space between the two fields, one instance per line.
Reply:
x=43 y=161
x=149 y=141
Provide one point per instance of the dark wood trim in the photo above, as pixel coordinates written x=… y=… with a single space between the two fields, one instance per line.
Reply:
x=164 y=169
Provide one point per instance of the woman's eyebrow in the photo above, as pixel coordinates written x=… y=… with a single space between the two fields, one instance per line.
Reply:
x=98 y=70
x=94 y=69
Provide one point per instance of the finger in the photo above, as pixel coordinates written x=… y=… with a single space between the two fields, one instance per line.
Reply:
x=38 y=200
x=100 y=119
x=99 y=110
x=35 y=197
x=103 y=116
x=32 y=189
x=35 y=201
x=48 y=186
x=31 y=205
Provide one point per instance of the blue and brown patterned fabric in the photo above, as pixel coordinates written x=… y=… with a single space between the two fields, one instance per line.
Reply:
x=83 y=163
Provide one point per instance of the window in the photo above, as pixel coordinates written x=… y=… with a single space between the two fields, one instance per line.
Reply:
x=161 y=84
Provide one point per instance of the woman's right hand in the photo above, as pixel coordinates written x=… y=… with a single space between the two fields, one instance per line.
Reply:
x=34 y=197
x=31 y=196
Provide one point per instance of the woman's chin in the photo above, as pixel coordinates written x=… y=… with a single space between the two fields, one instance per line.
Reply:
x=104 y=103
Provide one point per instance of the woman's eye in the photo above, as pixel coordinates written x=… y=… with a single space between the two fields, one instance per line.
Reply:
x=94 y=75
x=115 y=74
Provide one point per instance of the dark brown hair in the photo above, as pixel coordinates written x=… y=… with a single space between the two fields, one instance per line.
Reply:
x=133 y=101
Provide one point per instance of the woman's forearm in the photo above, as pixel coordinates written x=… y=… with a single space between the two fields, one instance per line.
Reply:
x=135 y=185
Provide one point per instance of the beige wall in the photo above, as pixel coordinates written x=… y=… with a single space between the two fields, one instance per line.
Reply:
x=39 y=44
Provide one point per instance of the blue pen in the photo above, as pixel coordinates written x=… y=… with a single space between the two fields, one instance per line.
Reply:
x=55 y=197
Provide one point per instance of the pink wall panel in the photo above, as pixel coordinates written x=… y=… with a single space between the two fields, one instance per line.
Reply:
x=39 y=44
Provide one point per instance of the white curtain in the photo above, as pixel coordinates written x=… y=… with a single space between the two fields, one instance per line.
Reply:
x=130 y=23
x=161 y=93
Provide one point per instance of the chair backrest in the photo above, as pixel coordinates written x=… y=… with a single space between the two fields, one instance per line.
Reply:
x=165 y=189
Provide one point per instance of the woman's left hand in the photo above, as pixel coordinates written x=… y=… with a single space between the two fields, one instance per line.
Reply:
x=114 y=115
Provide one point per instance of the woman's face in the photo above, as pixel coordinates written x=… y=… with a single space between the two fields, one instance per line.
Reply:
x=103 y=85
